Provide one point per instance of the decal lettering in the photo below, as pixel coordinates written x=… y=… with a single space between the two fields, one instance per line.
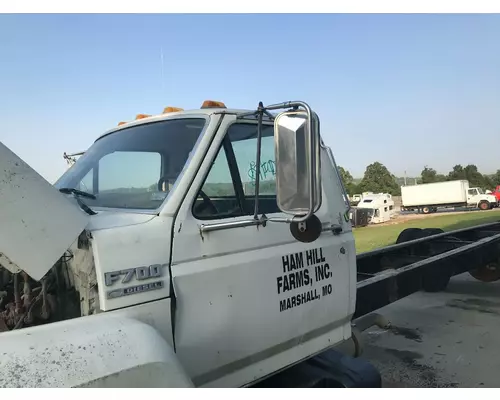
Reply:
x=308 y=269
x=140 y=274
x=113 y=294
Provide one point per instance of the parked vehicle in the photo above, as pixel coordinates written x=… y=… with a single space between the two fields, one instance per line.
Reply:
x=478 y=196
x=380 y=207
x=241 y=271
x=496 y=193
x=426 y=198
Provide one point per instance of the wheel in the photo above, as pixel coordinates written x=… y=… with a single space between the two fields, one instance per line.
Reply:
x=484 y=205
x=431 y=231
x=488 y=273
x=426 y=210
x=409 y=234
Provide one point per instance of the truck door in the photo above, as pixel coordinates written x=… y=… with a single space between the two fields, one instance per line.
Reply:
x=471 y=193
x=251 y=300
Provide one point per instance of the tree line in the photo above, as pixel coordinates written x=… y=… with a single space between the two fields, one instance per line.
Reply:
x=378 y=179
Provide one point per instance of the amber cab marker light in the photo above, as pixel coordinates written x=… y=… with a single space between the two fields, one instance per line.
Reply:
x=167 y=110
x=141 y=116
x=121 y=123
x=213 y=104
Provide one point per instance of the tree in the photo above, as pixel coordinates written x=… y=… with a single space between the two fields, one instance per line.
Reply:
x=471 y=174
x=474 y=177
x=348 y=181
x=457 y=173
x=378 y=179
x=346 y=176
x=429 y=175
x=495 y=179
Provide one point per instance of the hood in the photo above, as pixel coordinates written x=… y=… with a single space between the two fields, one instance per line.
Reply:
x=116 y=219
x=38 y=224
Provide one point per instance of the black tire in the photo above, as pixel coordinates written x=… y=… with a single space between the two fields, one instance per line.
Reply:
x=436 y=280
x=431 y=231
x=484 y=205
x=426 y=210
x=409 y=234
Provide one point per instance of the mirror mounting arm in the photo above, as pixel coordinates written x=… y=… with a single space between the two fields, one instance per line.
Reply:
x=260 y=112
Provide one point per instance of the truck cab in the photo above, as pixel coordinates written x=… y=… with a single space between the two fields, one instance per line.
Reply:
x=210 y=245
x=496 y=193
x=476 y=197
x=380 y=207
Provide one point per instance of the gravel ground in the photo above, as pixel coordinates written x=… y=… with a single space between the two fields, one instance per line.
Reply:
x=447 y=339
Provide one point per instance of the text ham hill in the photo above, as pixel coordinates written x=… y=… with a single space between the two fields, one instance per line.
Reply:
x=297 y=275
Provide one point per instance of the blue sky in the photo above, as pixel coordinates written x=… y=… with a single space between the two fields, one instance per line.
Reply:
x=405 y=90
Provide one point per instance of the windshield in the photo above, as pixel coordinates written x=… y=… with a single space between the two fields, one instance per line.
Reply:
x=134 y=167
x=480 y=191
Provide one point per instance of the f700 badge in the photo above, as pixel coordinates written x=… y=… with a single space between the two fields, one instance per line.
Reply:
x=139 y=273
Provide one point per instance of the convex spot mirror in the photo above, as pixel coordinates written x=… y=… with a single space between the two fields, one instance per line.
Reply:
x=298 y=174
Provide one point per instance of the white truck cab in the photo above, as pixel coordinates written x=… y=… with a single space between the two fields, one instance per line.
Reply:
x=380 y=207
x=476 y=197
x=203 y=248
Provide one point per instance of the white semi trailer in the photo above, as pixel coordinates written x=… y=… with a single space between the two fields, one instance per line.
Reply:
x=428 y=197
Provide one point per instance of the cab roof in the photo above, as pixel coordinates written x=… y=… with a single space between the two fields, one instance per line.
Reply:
x=203 y=112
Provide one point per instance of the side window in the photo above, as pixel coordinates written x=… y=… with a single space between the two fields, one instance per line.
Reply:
x=472 y=192
x=229 y=188
x=245 y=153
x=217 y=197
x=243 y=138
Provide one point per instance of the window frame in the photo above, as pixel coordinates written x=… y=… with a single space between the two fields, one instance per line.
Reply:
x=227 y=146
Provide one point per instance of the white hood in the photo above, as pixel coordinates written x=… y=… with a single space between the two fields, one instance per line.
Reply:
x=37 y=223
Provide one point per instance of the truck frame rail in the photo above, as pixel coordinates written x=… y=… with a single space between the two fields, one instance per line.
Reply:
x=425 y=259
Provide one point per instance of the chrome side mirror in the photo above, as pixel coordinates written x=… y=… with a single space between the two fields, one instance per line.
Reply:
x=298 y=167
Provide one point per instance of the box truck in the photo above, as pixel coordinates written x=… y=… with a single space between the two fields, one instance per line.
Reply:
x=428 y=197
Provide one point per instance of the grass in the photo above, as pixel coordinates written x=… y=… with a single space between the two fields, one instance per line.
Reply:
x=373 y=237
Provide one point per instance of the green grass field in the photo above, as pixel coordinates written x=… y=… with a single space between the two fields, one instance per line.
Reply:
x=369 y=238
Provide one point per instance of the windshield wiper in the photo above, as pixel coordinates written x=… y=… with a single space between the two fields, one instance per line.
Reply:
x=76 y=194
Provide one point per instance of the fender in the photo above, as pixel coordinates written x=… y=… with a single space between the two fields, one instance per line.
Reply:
x=97 y=351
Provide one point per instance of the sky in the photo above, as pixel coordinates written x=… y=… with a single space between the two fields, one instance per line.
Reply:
x=404 y=90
